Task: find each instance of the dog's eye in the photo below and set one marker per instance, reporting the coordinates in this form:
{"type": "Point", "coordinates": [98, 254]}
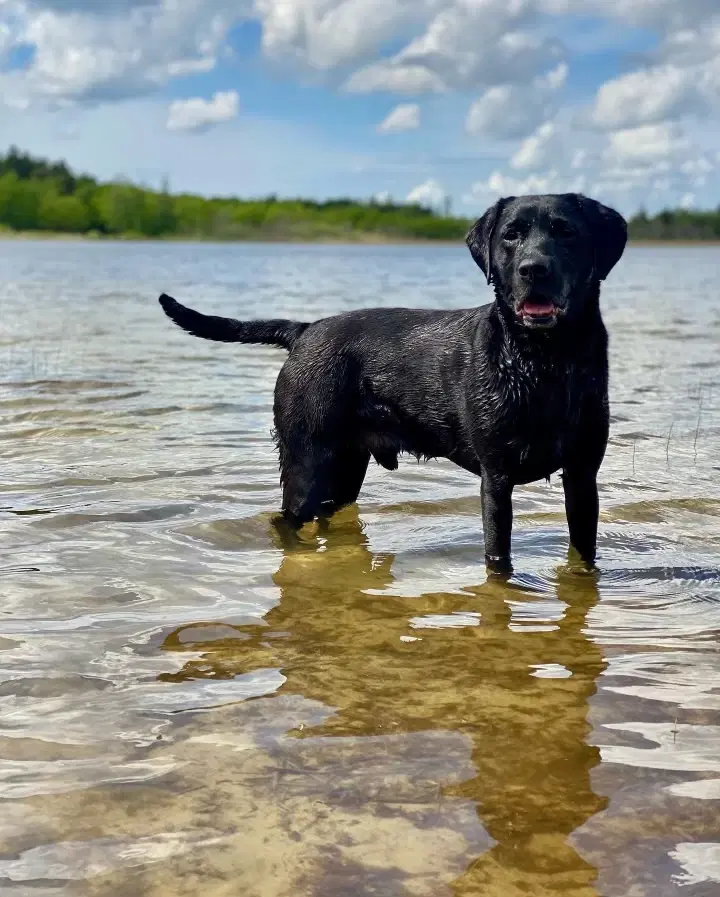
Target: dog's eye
{"type": "Point", "coordinates": [562, 229]}
{"type": "Point", "coordinates": [511, 234]}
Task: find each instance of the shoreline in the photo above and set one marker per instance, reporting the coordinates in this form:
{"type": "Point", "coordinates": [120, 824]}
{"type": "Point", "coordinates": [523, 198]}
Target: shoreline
{"type": "Point", "coordinates": [359, 238]}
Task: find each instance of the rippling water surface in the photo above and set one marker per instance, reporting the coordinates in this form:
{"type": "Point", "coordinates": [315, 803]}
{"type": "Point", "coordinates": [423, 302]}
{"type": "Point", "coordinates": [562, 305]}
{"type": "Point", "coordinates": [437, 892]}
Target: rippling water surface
{"type": "Point", "coordinates": [188, 707]}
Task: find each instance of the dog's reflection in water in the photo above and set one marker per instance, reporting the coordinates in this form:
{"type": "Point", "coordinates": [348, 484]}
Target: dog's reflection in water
{"type": "Point", "coordinates": [517, 693]}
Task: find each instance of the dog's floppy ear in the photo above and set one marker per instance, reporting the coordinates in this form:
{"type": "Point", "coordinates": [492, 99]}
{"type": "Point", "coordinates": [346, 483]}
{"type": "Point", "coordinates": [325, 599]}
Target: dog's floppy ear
{"type": "Point", "coordinates": [479, 238]}
{"type": "Point", "coordinates": [609, 232]}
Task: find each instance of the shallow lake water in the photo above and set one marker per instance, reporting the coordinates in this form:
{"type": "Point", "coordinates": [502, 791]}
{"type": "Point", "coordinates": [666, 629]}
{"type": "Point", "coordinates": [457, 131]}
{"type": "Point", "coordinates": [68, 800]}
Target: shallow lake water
{"type": "Point", "coordinates": [190, 707]}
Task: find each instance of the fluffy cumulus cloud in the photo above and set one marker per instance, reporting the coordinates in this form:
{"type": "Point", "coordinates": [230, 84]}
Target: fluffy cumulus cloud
{"type": "Point", "coordinates": [92, 6]}
{"type": "Point", "coordinates": [652, 164]}
{"type": "Point", "coordinates": [658, 94]}
{"type": "Point", "coordinates": [504, 69]}
{"type": "Point", "coordinates": [538, 150]}
{"type": "Point", "coordinates": [507, 111]}
{"type": "Point", "coordinates": [405, 117]}
{"type": "Point", "coordinates": [325, 34]}
{"type": "Point", "coordinates": [429, 193]}
{"type": "Point", "coordinates": [646, 145]}
{"type": "Point", "coordinates": [645, 136]}
{"type": "Point", "coordinates": [112, 50]}
{"type": "Point", "coordinates": [197, 114]}
{"type": "Point", "coordinates": [485, 192]}
{"type": "Point", "coordinates": [464, 44]}
{"type": "Point", "coordinates": [406, 79]}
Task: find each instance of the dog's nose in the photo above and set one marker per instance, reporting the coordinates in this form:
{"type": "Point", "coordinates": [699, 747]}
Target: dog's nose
{"type": "Point", "coordinates": [534, 269]}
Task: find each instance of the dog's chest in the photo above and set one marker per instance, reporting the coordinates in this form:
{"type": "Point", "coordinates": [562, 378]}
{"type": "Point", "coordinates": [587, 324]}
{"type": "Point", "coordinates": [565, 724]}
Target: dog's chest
{"type": "Point", "coordinates": [537, 418]}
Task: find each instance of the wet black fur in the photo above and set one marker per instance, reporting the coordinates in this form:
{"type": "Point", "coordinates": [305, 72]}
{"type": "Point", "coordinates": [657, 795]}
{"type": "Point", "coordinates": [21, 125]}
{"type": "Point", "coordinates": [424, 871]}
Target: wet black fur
{"type": "Point", "coordinates": [507, 396]}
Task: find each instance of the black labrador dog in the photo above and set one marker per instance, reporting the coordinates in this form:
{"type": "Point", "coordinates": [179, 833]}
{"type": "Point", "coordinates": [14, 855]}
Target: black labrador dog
{"type": "Point", "coordinates": [512, 391]}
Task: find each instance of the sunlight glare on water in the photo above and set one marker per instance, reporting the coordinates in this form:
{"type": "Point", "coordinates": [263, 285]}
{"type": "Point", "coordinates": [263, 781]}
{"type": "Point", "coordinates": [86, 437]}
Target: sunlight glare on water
{"type": "Point", "coordinates": [188, 706]}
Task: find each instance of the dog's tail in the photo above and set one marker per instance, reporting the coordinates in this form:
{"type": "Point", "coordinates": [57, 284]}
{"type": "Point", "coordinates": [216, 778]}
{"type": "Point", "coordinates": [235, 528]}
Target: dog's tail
{"type": "Point", "coordinates": [227, 330]}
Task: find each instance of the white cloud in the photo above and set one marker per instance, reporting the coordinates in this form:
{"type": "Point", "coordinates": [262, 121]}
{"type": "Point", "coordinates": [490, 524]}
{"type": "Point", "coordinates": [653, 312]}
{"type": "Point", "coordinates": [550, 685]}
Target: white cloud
{"type": "Point", "coordinates": [94, 48]}
{"type": "Point", "coordinates": [499, 185]}
{"type": "Point", "coordinates": [460, 41]}
{"type": "Point", "coordinates": [428, 194]}
{"type": "Point", "coordinates": [650, 96]}
{"type": "Point", "coordinates": [682, 78]}
{"type": "Point", "coordinates": [127, 51]}
{"type": "Point", "coordinates": [405, 117]}
{"type": "Point", "coordinates": [506, 111]}
{"type": "Point", "coordinates": [324, 34]}
{"type": "Point", "coordinates": [579, 159]}
{"type": "Point", "coordinates": [697, 170]}
{"type": "Point", "coordinates": [691, 46]}
{"type": "Point", "coordinates": [403, 79]}
{"type": "Point", "coordinates": [481, 43]}
{"type": "Point", "coordinates": [663, 14]}
{"type": "Point", "coordinates": [537, 150]}
{"type": "Point", "coordinates": [555, 78]}
{"type": "Point", "coordinates": [465, 44]}
{"type": "Point", "coordinates": [91, 6]}
{"type": "Point", "coordinates": [197, 114]}
{"type": "Point", "coordinates": [653, 165]}
{"type": "Point", "coordinates": [647, 144]}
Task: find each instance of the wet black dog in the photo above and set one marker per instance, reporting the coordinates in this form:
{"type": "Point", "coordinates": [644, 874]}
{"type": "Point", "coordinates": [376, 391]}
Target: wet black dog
{"type": "Point", "coordinates": [512, 391]}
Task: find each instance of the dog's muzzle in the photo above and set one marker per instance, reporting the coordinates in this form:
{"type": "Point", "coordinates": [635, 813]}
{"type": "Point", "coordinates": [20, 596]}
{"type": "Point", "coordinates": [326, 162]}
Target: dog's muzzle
{"type": "Point", "coordinates": [537, 312]}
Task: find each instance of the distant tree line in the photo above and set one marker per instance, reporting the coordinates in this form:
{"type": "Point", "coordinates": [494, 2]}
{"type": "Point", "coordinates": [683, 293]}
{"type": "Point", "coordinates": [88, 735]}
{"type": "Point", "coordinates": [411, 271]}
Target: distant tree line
{"type": "Point", "coordinates": [676, 224]}
{"type": "Point", "coordinates": [37, 195]}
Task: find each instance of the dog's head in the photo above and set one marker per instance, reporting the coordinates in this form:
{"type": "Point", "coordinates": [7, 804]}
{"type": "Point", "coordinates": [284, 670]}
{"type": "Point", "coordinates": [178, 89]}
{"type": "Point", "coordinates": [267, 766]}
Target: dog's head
{"type": "Point", "coordinates": [546, 255]}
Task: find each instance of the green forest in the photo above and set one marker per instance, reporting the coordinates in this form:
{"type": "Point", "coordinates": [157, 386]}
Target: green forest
{"type": "Point", "coordinates": [37, 196]}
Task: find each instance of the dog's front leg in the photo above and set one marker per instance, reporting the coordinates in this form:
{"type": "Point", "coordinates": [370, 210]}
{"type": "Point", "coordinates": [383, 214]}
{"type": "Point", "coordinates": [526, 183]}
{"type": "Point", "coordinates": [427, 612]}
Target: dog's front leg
{"type": "Point", "coordinates": [582, 509]}
{"type": "Point", "coordinates": [496, 496]}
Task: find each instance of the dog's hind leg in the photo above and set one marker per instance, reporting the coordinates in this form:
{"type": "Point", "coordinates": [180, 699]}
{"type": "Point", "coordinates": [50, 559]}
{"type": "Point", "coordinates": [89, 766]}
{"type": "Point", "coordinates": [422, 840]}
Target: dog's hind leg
{"type": "Point", "coordinates": [320, 481]}
{"type": "Point", "coordinates": [350, 465]}
{"type": "Point", "coordinates": [305, 476]}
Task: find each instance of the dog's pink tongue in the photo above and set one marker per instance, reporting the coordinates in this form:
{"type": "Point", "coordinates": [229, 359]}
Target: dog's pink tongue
{"type": "Point", "coordinates": [538, 308]}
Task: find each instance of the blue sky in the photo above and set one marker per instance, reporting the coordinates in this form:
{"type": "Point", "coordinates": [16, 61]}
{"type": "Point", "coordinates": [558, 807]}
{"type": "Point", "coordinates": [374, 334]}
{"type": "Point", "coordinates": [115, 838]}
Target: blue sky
{"type": "Point", "coordinates": [415, 99]}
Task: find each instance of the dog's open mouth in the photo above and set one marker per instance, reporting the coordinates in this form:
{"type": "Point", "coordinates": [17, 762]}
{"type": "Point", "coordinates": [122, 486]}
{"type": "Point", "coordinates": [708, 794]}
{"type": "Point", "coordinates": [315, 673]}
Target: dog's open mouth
{"type": "Point", "coordinates": [538, 312]}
